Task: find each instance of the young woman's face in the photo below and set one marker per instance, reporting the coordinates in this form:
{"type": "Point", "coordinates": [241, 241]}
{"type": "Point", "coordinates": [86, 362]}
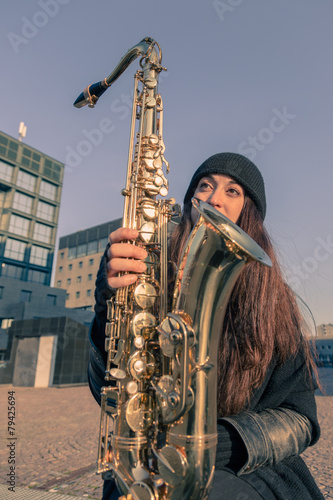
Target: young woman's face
{"type": "Point", "coordinates": [221, 192]}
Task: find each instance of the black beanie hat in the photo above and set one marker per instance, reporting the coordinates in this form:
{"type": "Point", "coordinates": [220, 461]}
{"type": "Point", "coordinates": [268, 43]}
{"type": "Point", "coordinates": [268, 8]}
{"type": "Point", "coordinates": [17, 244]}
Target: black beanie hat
{"type": "Point", "coordinates": [239, 168]}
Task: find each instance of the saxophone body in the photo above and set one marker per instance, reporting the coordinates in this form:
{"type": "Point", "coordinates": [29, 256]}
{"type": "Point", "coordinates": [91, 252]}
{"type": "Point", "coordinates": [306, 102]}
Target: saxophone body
{"type": "Point", "coordinates": [158, 429]}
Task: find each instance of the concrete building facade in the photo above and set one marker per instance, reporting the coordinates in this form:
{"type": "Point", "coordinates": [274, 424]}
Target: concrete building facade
{"type": "Point", "coordinates": [46, 352]}
{"type": "Point", "coordinates": [324, 344]}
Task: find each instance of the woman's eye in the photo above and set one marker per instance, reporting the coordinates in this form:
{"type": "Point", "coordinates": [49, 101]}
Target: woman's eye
{"type": "Point", "coordinates": [204, 185]}
{"type": "Point", "coordinates": [234, 191]}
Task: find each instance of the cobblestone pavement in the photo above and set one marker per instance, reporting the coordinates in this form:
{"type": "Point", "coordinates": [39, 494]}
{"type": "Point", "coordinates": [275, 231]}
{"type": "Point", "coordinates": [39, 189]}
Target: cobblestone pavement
{"type": "Point", "coordinates": [56, 445]}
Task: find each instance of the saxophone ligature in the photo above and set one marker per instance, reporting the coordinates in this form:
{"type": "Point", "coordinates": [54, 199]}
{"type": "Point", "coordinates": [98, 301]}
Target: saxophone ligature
{"type": "Point", "coordinates": [158, 431]}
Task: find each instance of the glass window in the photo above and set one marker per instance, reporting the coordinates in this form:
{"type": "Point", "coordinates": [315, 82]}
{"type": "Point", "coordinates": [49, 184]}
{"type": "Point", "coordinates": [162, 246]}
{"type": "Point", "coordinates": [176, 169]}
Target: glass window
{"type": "Point", "coordinates": [70, 267]}
{"type": "Point", "coordinates": [18, 225]}
{"type": "Point", "coordinates": [102, 244]}
{"type": "Point", "coordinates": [78, 279]}
{"type": "Point", "coordinates": [60, 269]}
{"type": "Point", "coordinates": [6, 171]}
{"type": "Point", "coordinates": [72, 253]}
{"type": "Point", "coordinates": [37, 276]}
{"type": "Point", "coordinates": [6, 323]}
{"type": "Point", "coordinates": [52, 169]}
{"type": "Point", "coordinates": [12, 271]}
{"type": "Point", "coordinates": [62, 254]}
{"type": "Point", "coordinates": [2, 197]}
{"type": "Point", "coordinates": [26, 181]}
{"type": "Point", "coordinates": [45, 211]}
{"type": "Point", "coordinates": [30, 159]}
{"type": "Point", "coordinates": [22, 202]}
{"type": "Point", "coordinates": [15, 249]}
{"type": "Point", "coordinates": [48, 190]}
{"type": "Point", "coordinates": [38, 256]}
{"type": "Point", "coordinates": [89, 277]}
{"type": "Point", "coordinates": [88, 293]}
{"type": "Point", "coordinates": [69, 281]}
{"type": "Point", "coordinates": [77, 295]}
{"type": "Point", "coordinates": [67, 296]}
{"type": "Point", "coordinates": [91, 262]}
{"type": "Point", "coordinates": [25, 296]}
{"type": "Point", "coordinates": [82, 250]}
{"type": "Point", "coordinates": [51, 300]}
{"type": "Point", "coordinates": [92, 247]}
{"type": "Point", "coordinates": [42, 233]}
{"type": "Point", "coordinates": [1, 292]}
{"type": "Point", "coordinates": [59, 283]}
{"type": "Point", "coordinates": [80, 263]}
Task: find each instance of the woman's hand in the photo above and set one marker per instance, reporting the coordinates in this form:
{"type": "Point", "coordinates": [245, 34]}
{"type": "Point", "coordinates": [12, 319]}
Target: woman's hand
{"type": "Point", "coordinates": [124, 257]}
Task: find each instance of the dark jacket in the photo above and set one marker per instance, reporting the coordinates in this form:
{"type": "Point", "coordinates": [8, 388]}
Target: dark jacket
{"type": "Point", "coordinates": [261, 445]}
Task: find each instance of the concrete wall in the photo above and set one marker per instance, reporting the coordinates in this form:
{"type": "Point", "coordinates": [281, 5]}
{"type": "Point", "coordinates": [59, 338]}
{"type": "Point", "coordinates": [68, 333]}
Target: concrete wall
{"type": "Point", "coordinates": [26, 362]}
{"type": "Point", "coordinates": [46, 361]}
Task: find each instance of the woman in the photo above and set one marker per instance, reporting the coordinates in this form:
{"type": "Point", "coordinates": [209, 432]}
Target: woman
{"type": "Point", "coordinates": [266, 407]}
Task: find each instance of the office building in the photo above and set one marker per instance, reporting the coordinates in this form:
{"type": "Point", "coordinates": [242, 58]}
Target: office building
{"type": "Point", "coordinates": [30, 191]}
{"type": "Point", "coordinates": [78, 260]}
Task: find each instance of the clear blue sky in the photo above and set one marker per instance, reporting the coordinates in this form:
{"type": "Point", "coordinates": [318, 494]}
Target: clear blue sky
{"type": "Point", "coordinates": [251, 76]}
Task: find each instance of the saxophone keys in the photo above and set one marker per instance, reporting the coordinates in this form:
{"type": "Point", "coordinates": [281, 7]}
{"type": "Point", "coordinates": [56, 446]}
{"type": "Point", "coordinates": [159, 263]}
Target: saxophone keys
{"type": "Point", "coordinates": [172, 464]}
{"type": "Point", "coordinates": [153, 140]}
{"type": "Point", "coordinates": [117, 373]}
{"type": "Point", "coordinates": [143, 326]}
{"type": "Point", "coordinates": [149, 164]}
{"type": "Point", "coordinates": [149, 210]}
{"type": "Point", "coordinates": [158, 162]}
{"type": "Point", "coordinates": [150, 102]}
{"type": "Point", "coordinates": [164, 191]}
{"type": "Point", "coordinates": [140, 412]}
{"type": "Point", "coordinates": [170, 337]}
{"type": "Point", "coordinates": [141, 365]}
{"type": "Point", "coordinates": [143, 491]}
{"type": "Point", "coordinates": [145, 295]}
{"type": "Point", "coordinates": [147, 232]}
{"type": "Point", "coordinates": [150, 82]}
{"type": "Point", "coordinates": [139, 342]}
{"type": "Point", "coordinates": [158, 180]}
{"type": "Point", "coordinates": [151, 188]}
{"type": "Point", "coordinates": [132, 388]}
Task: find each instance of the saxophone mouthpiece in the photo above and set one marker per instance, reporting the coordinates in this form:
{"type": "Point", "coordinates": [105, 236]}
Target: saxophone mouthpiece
{"type": "Point", "coordinates": [91, 94]}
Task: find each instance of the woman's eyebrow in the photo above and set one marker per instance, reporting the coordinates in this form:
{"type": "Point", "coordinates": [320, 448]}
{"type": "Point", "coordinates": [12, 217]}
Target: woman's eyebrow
{"type": "Point", "coordinates": [207, 177]}
{"type": "Point", "coordinates": [233, 182]}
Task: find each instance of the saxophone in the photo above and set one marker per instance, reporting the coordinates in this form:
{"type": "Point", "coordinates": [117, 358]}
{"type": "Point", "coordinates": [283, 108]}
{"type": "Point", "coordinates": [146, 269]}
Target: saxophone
{"type": "Point", "coordinates": [158, 431]}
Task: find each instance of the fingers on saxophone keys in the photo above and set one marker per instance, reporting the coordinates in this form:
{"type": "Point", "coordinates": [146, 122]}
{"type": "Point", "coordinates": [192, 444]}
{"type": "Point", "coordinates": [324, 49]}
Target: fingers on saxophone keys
{"type": "Point", "coordinates": [123, 233]}
{"type": "Point", "coordinates": [126, 250]}
{"type": "Point", "coordinates": [121, 281]}
{"type": "Point", "coordinates": [116, 265]}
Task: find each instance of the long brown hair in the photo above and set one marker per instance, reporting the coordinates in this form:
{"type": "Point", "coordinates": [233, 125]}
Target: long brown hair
{"type": "Point", "coordinates": [262, 321]}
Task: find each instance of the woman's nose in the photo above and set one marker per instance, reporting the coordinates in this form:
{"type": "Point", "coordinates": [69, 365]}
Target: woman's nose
{"type": "Point", "coordinates": [216, 199]}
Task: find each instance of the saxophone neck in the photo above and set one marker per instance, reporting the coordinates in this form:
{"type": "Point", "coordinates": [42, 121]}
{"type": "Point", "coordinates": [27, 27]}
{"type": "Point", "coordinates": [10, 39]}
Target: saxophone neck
{"type": "Point", "coordinates": [150, 55]}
